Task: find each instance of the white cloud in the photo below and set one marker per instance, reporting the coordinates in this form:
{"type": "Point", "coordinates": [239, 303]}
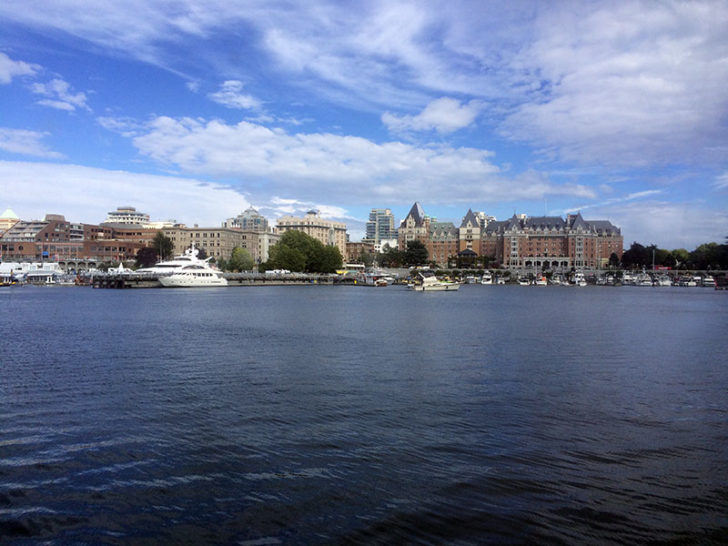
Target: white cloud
{"type": "Point", "coordinates": [721, 181]}
{"type": "Point", "coordinates": [85, 194]}
{"type": "Point", "coordinates": [628, 83]}
{"type": "Point", "coordinates": [59, 95]}
{"type": "Point", "coordinates": [10, 69]}
{"type": "Point", "coordinates": [623, 199]}
{"type": "Point", "coordinates": [668, 225]}
{"type": "Point", "coordinates": [345, 168]}
{"type": "Point", "coordinates": [231, 96]}
{"type": "Point", "coordinates": [125, 126]}
{"type": "Point", "coordinates": [443, 115]}
{"type": "Point", "coordinates": [21, 141]}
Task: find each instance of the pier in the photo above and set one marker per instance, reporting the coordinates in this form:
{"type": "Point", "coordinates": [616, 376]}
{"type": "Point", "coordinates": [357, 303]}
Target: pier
{"type": "Point", "coordinates": [146, 280]}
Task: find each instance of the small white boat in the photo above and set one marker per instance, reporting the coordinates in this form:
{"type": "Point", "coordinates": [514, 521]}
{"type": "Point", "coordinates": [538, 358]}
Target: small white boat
{"type": "Point", "coordinates": [428, 282]}
{"type": "Point", "coordinates": [579, 279]}
{"type": "Point", "coordinates": [541, 281]}
{"type": "Point", "coordinates": [708, 280]}
{"type": "Point", "coordinates": [487, 278]}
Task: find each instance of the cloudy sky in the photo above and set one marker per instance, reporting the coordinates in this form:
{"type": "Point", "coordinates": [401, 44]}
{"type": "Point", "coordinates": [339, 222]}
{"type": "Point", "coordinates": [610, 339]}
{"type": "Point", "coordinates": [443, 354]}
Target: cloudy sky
{"type": "Point", "coordinates": [195, 110]}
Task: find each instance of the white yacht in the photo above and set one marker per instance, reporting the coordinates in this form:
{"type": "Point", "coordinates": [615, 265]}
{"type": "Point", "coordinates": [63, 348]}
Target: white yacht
{"type": "Point", "coordinates": [708, 280]}
{"type": "Point", "coordinates": [186, 271]}
{"type": "Point", "coordinates": [487, 278]}
{"type": "Point", "coordinates": [427, 281]}
{"type": "Point", "coordinates": [194, 276]}
{"type": "Point", "coordinates": [579, 279]}
{"type": "Point", "coordinates": [175, 264]}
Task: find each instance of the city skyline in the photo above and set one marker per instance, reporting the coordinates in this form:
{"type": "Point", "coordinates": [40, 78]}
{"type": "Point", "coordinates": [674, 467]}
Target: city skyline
{"type": "Point", "coordinates": [197, 111]}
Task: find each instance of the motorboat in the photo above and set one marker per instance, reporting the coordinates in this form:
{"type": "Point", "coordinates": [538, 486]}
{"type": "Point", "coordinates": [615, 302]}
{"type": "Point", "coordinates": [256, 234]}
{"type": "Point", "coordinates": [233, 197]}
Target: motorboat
{"type": "Point", "coordinates": [579, 279]}
{"type": "Point", "coordinates": [541, 281]}
{"type": "Point", "coordinates": [708, 280]}
{"type": "Point", "coordinates": [186, 271]}
{"type": "Point", "coordinates": [194, 276]}
{"type": "Point", "coordinates": [427, 281]}
{"type": "Point", "coordinates": [487, 278]}
{"type": "Point", "coordinates": [176, 264]}
{"type": "Point", "coordinates": [664, 281]}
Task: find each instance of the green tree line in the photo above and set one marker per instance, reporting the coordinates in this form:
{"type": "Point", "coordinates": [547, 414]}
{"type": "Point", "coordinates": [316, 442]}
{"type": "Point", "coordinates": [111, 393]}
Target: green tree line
{"type": "Point", "coordinates": [705, 256]}
{"type": "Point", "coordinates": [296, 251]}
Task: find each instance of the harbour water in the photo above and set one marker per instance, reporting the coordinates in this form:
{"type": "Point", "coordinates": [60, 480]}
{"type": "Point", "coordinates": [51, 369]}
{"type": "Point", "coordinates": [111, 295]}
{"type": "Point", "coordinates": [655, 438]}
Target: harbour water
{"type": "Point", "coordinates": [318, 415]}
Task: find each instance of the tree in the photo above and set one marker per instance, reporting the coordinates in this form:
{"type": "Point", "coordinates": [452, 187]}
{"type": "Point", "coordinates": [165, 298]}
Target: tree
{"type": "Point", "coordinates": [636, 257]}
{"type": "Point", "coordinates": [366, 258]}
{"type": "Point", "coordinates": [240, 260]}
{"type": "Point", "coordinates": [163, 245]}
{"type": "Point", "coordinates": [416, 253]}
{"type": "Point", "coordinates": [201, 253]}
{"type": "Point", "coordinates": [331, 260]}
{"type": "Point", "coordinates": [681, 256]}
{"type": "Point", "coordinates": [705, 256]}
{"type": "Point", "coordinates": [297, 251]}
{"type": "Point", "coordinates": [613, 260]}
{"type": "Point", "coordinates": [146, 257]}
{"type": "Point", "coordinates": [285, 257]}
{"type": "Point", "coordinates": [390, 257]}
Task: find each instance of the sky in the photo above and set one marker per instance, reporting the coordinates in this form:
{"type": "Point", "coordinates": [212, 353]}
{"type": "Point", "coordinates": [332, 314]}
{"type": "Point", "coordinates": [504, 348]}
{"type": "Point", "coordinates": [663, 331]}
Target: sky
{"type": "Point", "coordinates": [195, 110]}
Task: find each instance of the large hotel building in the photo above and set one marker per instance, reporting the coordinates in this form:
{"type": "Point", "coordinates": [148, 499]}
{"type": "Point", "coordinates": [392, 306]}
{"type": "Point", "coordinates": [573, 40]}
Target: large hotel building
{"type": "Point", "coordinates": [520, 242]}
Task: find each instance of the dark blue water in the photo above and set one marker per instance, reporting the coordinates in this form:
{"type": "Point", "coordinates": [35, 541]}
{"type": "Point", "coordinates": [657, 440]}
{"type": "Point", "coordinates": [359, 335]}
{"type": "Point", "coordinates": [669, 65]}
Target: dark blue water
{"type": "Point", "coordinates": [303, 415]}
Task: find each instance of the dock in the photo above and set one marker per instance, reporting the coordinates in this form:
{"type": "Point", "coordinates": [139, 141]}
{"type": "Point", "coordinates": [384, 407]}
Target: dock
{"type": "Point", "coordinates": [146, 280]}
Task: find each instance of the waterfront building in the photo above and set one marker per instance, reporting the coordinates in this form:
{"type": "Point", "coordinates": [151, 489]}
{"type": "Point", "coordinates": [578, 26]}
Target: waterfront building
{"type": "Point", "coordinates": [219, 242]}
{"type": "Point", "coordinates": [8, 220]}
{"type": "Point", "coordinates": [469, 233]}
{"type": "Point", "coordinates": [551, 242]}
{"type": "Point", "coordinates": [354, 251]}
{"type": "Point", "coordinates": [32, 240]}
{"type": "Point", "coordinates": [442, 242]}
{"type": "Point", "coordinates": [248, 220]}
{"type": "Point", "coordinates": [328, 232]}
{"type": "Point", "coordinates": [380, 226]}
{"type": "Point", "coordinates": [414, 227]}
{"type": "Point", "coordinates": [55, 239]}
{"type": "Point", "coordinates": [126, 216]}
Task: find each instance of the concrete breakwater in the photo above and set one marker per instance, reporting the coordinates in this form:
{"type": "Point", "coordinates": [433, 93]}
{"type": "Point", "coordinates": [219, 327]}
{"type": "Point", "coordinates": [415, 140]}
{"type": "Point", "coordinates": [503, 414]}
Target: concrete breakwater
{"type": "Point", "coordinates": [146, 280]}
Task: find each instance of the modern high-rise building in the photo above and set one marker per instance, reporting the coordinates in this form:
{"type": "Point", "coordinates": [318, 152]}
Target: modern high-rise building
{"type": "Point", "coordinates": [380, 226]}
{"type": "Point", "coordinates": [127, 216]}
{"type": "Point", "coordinates": [248, 220]}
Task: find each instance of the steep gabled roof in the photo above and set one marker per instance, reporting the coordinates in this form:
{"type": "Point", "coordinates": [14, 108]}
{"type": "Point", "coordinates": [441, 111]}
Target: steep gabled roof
{"type": "Point", "coordinates": [579, 222]}
{"type": "Point", "coordinates": [513, 223]}
{"type": "Point", "coordinates": [604, 226]}
{"type": "Point", "coordinates": [545, 222]}
{"type": "Point", "coordinates": [470, 217]}
{"type": "Point", "coordinates": [496, 226]}
{"type": "Point", "coordinates": [417, 214]}
{"type": "Point", "coordinates": [443, 231]}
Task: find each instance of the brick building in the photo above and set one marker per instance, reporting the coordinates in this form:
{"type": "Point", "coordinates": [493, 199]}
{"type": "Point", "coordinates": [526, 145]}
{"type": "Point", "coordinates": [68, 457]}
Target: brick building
{"type": "Point", "coordinates": [551, 242]}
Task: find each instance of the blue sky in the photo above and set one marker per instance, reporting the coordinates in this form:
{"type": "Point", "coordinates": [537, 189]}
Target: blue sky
{"type": "Point", "coordinates": [195, 110]}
